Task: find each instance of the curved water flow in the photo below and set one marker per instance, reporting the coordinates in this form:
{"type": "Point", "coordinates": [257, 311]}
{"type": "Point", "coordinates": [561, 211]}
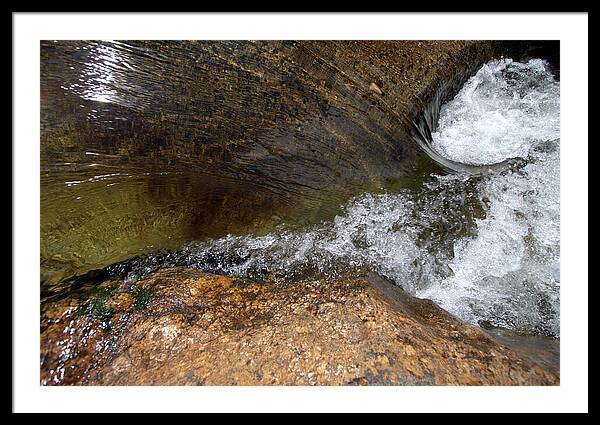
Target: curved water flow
{"type": "Point", "coordinates": [482, 241]}
{"type": "Point", "coordinates": [500, 113]}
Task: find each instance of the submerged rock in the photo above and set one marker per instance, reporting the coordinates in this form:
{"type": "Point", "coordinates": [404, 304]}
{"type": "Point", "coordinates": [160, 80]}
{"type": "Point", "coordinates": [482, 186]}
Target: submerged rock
{"type": "Point", "coordinates": [181, 326]}
{"type": "Point", "coordinates": [148, 145]}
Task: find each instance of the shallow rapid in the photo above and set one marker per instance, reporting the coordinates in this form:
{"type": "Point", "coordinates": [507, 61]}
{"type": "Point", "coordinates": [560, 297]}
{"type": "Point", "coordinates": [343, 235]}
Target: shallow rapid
{"type": "Point", "coordinates": [485, 246]}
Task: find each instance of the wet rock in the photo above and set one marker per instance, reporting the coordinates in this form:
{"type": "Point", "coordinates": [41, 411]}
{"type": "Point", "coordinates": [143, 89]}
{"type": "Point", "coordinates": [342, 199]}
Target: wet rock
{"type": "Point", "coordinates": [184, 327]}
{"type": "Point", "coordinates": [374, 87]}
{"type": "Point", "coordinates": [148, 145]}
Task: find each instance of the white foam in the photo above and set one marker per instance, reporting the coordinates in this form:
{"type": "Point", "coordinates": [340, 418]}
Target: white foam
{"type": "Point", "coordinates": [509, 273]}
{"type": "Point", "coordinates": [502, 112]}
{"type": "Point", "coordinates": [483, 247]}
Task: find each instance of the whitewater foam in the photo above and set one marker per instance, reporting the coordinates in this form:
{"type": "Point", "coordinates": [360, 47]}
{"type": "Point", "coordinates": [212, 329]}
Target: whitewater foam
{"type": "Point", "coordinates": [502, 112]}
{"type": "Point", "coordinates": [485, 247]}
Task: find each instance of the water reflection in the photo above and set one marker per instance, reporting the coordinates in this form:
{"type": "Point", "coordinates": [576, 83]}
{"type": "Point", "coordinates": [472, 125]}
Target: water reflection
{"type": "Point", "coordinates": [99, 76]}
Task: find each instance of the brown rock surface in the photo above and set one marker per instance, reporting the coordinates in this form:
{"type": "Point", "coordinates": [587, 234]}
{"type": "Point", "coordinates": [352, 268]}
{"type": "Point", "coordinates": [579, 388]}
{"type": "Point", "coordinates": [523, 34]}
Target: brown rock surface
{"type": "Point", "coordinates": [184, 327]}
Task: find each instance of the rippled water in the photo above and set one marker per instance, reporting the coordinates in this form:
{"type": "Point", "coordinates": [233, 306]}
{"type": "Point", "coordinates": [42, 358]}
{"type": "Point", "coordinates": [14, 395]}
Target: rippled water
{"type": "Point", "coordinates": [149, 145]}
{"type": "Point", "coordinates": [484, 246]}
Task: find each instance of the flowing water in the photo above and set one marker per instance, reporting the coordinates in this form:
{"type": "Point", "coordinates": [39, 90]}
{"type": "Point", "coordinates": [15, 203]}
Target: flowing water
{"type": "Point", "coordinates": [482, 240]}
{"type": "Point", "coordinates": [149, 145]}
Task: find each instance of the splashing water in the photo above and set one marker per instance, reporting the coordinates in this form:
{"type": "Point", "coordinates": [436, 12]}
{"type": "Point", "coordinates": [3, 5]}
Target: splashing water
{"type": "Point", "coordinates": [502, 112]}
{"type": "Point", "coordinates": [484, 247]}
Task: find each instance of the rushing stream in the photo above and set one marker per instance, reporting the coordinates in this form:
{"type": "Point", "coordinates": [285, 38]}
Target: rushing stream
{"type": "Point", "coordinates": [484, 245]}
